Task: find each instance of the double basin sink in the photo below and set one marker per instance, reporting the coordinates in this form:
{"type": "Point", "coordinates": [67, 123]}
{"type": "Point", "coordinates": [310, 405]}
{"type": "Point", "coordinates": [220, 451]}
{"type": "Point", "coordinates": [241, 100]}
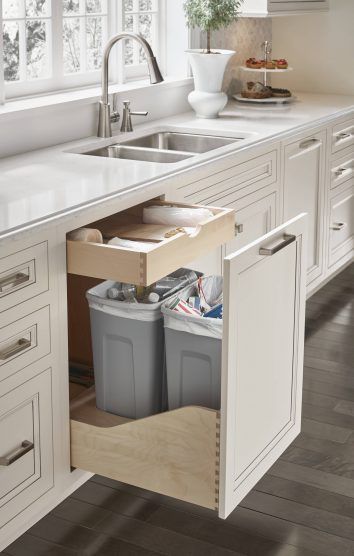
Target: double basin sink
{"type": "Point", "coordinates": [163, 146]}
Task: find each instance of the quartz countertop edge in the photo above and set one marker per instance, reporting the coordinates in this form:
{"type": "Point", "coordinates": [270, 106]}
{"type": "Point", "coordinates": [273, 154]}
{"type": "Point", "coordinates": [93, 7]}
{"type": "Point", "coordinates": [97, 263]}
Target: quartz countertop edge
{"type": "Point", "coordinates": [40, 187]}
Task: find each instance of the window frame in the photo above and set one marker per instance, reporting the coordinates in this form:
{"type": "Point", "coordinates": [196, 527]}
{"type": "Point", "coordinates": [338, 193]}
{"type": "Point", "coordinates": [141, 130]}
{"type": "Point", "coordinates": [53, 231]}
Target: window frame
{"type": "Point", "coordinates": [119, 73]}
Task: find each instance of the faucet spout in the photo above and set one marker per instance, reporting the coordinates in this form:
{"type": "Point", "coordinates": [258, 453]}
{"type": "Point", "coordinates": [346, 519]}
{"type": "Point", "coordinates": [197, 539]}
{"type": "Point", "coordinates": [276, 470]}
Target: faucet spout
{"type": "Point", "coordinates": [104, 124]}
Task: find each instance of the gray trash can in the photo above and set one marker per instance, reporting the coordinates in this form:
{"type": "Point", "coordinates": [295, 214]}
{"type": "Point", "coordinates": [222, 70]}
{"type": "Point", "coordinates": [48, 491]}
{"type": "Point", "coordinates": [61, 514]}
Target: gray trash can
{"type": "Point", "coordinates": [128, 354]}
{"type": "Point", "coordinates": [193, 352]}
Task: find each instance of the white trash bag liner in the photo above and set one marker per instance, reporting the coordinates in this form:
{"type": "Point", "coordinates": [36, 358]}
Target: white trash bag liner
{"type": "Point", "coordinates": [201, 326]}
{"type": "Point", "coordinates": [176, 216]}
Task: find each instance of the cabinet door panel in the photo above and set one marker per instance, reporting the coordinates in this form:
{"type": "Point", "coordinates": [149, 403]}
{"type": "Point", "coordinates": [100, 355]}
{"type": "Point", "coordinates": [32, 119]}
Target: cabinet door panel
{"type": "Point", "coordinates": [304, 191]}
{"type": "Point", "coordinates": [262, 362]}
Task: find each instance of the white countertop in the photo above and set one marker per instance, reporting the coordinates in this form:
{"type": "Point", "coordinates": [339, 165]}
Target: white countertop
{"type": "Point", "coordinates": [42, 184]}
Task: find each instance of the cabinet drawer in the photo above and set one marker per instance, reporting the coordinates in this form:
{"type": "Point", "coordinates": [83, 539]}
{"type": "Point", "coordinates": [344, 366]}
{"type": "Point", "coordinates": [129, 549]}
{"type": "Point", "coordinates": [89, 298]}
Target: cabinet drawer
{"type": "Point", "coordinates": [342, 135]}
{"type": "Point", "coordinates": [144, 268]}
{"type": "Point", "coordinates": [26, 460]}
{"type": "Point", "coordinates": [342, 170]}
{"type": "Point", "coordinates": [341, 241]}
{"type": "Point", "coordinates": [23, 275]}
{"type": "Point", "coordinates": [207, 457]}
{"type": "Point", "coordinates": [24, 341]}
{"type": "Point", "coordinates": [244, 179]}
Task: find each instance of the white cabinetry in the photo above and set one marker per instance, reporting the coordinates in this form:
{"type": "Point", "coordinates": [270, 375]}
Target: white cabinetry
{"type": "Point", "coordinates": [304, 191]}
{"type": "Point", "coordinates": [257, 8]}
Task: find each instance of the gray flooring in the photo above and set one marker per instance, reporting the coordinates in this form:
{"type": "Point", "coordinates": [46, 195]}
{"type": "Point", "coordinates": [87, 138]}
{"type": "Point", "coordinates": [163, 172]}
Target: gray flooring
{"type": "Point", "coordinates": [304, 506]}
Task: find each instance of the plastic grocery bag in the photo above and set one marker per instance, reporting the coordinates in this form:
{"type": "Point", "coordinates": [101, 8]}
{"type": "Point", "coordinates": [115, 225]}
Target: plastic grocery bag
{"type": "Point", "coordinates": [175, 216]}
{"type": "Point", "coordinates": [201, 326]}
{"type": "Point", "coordinates": [144, 246]}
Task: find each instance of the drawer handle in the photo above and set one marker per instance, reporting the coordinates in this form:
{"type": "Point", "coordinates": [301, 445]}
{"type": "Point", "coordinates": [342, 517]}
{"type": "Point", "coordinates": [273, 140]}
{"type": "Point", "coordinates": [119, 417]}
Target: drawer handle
{"type": "Point", "coordinates": [26, 447]}
{"type": "Point", "coordinates": [338, 226]}
{"type": "Point", "coordinates": [287, 240]}
{"type": "Point", "coordinates": [309, 143]}
{"type": "Point", "coordinates": [238, 229]}
{"type": "Point", "coordinates": [21, 345]}
{"type": "Point", "coordinates": [343, 135]}
{"type": "Point", "coordinates": [13, 280]}
{"type": "Point", "coordinates": [340, 171]}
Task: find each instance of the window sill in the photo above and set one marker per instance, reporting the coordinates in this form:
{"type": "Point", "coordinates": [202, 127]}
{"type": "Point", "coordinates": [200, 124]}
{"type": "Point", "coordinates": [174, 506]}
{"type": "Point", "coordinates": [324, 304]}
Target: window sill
{"type": "Point", "coordinates": [19, 107]}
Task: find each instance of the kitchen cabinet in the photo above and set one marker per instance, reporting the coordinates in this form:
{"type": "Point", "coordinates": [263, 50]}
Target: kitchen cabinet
{"type": "Point", "coordinates": [258, 8]}
{"type": "Point", "coordinates": [304, 167]}
{"type": "Point", "coordinates": [341, 225]}
{"type": "Point", "coordinates": [183, 453]}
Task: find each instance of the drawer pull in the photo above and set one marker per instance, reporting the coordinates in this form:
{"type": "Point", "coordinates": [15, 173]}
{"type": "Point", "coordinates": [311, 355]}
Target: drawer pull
{"type": "Point", "coordinates": [338, 226]}
{"type": "Point", "coordinates": [26, 447]}
{"type": "Point", "coordinates": [238, 229]}
{"type": "Point", "coordinates": [13, 280]}
{"type": "Point", "coordinates": [340, 171]}
{"type": "Point", "coordinates": [287, 240]}
{"type": "Point", "coordinates": [21, 345]}
{"type": "Point", "coordinates": [309, 143]}
{"type": "Point", "coordinates": [343, 135]}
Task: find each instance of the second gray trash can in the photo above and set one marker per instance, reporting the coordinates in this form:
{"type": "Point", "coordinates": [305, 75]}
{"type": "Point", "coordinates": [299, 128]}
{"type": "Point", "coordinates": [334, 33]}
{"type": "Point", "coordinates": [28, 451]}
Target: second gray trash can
{"type": "Point", "coordinates": [193, 352]}
{"type": "Point", "coordinates": [128, 354]}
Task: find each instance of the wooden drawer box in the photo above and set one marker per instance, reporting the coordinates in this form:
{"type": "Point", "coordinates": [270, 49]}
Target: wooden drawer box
{"type": "Point", "coordinates": [26, 458]}
{"type": "Point", "coordinates": [23, 275]}
{"type": "Point", "coordinates": [141, 268]}
{"type": "Point", "coordinates": [23, 341]}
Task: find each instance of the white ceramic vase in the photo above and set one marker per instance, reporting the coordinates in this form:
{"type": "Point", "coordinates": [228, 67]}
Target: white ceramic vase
{"type": "Point", "coordinates": [207, 99]}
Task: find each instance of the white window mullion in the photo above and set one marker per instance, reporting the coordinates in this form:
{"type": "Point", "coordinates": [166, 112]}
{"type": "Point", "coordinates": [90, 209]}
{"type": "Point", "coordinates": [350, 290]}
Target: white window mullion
{"type": "Point", "coordinates": [2, 80]}
{"type": "Point", "coordinates": [57, 41]}
{"type": "Point", "coordinates": [22, 42]}
{"type": "Point", "coordinates": [83, 42]}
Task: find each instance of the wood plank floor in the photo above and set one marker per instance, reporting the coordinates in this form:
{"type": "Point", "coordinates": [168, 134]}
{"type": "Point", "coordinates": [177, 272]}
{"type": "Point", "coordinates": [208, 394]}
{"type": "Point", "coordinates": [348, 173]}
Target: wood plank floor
{"type": "Point", "coordinates": [304, 506]}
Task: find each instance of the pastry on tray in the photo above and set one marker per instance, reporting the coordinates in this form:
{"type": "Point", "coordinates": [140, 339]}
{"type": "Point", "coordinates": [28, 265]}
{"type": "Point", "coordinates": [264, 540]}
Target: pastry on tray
{"type": "Point", "coordinates": [280, 93]}
{"type": "Point", "coordinates": [257, 91]}
{"type": "Point", "coordinates": [282, 64]}
{"type": "Point", "coordinates": [253, 63]}
{"type": "Point", "coordinates": [270, 65]}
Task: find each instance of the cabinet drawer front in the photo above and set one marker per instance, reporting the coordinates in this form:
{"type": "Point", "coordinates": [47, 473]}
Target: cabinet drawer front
{"type": "Point", "coordinates": [141, 268]}
{"type": "Point", "coordinates": [342, 136]}
{"type": "Point", "coordinates": [24, 341]}
{"type": "Point", "coordinates": [26, 460]}
{"type": "Point", "coordinates": [23, 275]}
{"type": "Point", "coordinates": [297, 5]}
{"type": "Point", "coordinates": [342, 170]}
{"type": "Point", "coordinates": [341, 242]}
{"type": "Point", "coordinates": [243, 178]}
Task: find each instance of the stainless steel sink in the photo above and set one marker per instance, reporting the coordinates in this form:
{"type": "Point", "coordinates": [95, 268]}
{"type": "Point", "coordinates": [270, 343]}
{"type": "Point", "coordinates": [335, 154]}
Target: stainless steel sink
{"type": "Point", "coordinates": [183, 142]}
{"type": "Point", "coordinates": [138, 153]}
{"type": "Point", "coordinates": [163, 146]}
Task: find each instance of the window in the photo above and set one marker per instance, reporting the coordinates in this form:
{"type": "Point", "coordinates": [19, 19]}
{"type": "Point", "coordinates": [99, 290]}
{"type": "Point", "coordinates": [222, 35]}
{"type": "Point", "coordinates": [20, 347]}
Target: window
{"type": "Point", "coordinates": [50, 45]}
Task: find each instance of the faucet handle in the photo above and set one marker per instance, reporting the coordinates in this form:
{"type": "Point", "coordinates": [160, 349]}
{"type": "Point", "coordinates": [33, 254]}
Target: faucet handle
{"type": "Point", "coordinates": [115, 116]}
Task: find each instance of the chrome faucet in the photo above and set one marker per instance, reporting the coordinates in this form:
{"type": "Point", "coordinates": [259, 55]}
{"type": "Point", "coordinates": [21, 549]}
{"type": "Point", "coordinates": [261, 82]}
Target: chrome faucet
{"type": "Point", "coordinates": [105, 117]}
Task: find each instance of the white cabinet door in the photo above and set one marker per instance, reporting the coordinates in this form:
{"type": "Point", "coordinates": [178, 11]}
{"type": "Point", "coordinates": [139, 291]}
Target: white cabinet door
{"type": "Point", "coordinates": [262, 357]}
{"type": "Point", "coordinates": [304, 191]}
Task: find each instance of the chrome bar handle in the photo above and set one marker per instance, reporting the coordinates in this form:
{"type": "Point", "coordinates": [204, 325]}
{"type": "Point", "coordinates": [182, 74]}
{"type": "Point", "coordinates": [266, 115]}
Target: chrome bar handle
{"type": "Point", "coordinates": [340, 171]}
{"type": "Point", "coordinates": [13, 280]}
{"type": "Point", "coordinates": [343, 135]}
{"type": "Point", "coordinates": [309, 143]}
{"type": "Point", "coordinates": [26, 447]}
{"type": "Point", "coordinates": [287, 240]}
{"type": "Point", "coordinates": [338, 226]}
{"type": "Point", "coordinates": [21, 345]}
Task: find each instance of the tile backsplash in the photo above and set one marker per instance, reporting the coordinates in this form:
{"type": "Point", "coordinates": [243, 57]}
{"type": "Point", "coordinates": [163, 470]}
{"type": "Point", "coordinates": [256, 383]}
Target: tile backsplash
{"type": "Point", "coordinates": [245, 36]}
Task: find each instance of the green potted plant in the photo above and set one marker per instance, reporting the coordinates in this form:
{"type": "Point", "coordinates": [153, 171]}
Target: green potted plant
{"type": "Point", "coordinates": [209, 65]}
